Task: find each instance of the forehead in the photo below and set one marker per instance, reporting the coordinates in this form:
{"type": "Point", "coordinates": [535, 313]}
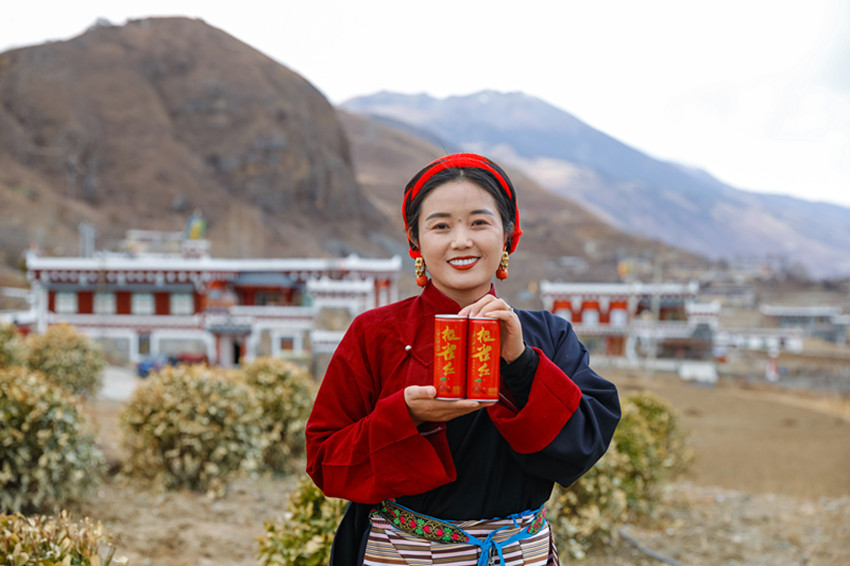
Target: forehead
{"type": "Point", "coordinates": [458, 197]}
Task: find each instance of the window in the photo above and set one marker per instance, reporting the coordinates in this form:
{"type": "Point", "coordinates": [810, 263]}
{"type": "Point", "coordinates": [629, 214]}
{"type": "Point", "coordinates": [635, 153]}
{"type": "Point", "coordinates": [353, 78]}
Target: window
{"type": "Point", "coordinates": [104, 303]}
{"type": "Point", "coordinates": [268, 298]}
{"type": "Point", "coordinates": [619, 317]}
{"type": "Point", "coordinates": [590, 317]}
{"type": "Point", "coordinates": [142, 303]}
{"type": "Point", "coordinates": [144, 344]}
{"type": "Point", "coordinates": [66, 303]}
{"type": "Point", "coordinates": [288, 345]}
{"type": "Point", "coordinates": [182, 303]}
{"type": "Point", "coordinates": [566, 314]}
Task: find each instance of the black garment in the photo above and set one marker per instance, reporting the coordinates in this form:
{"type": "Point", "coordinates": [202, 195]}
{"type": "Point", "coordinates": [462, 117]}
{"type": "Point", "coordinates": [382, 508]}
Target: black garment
{"type": "Point", "coordinates": [493, 480]}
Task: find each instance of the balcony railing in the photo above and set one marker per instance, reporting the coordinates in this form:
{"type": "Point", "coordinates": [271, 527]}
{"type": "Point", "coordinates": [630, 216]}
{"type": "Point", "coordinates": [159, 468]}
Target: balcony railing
{"type": "Point", "coordinates": [124, 320]}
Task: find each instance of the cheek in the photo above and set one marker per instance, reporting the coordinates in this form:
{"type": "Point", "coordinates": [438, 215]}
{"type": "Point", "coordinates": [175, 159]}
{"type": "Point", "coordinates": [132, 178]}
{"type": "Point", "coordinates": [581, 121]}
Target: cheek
{"type": "Point", "coordinates": [428, 245]}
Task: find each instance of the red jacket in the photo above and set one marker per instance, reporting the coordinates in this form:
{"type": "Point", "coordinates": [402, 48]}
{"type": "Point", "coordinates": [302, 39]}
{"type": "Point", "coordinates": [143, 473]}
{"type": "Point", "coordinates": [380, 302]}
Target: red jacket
{"type": "Point", "coordinates": [362, 444]}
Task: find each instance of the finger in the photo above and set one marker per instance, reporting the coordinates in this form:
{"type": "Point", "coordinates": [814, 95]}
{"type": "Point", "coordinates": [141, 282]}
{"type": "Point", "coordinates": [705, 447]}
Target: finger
{"type": "Point", "coordinates": [416, 392]}
{"type": "Point", "coordinates": [475, 308]}
{"type": "Point", "coordinates": [496, 306]}
{"type": "Point", "coordinates": [467, 404]}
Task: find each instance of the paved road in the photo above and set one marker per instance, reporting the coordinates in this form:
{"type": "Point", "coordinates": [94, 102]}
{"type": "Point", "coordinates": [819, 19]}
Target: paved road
{"type": "Point", "coordinates": [118, 383]}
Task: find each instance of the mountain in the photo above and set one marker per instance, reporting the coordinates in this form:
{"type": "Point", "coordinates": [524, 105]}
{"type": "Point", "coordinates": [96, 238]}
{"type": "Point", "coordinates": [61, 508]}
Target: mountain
{"type": "Point", "coordinates": [137, 126]}
{"type": "Point", "coordinates": [635, 192]}
{"type": "Point", "coordinates": [561, 239]}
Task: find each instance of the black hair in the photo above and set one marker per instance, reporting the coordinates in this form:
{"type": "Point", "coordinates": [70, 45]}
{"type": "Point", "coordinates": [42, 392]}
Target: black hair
{"type": "Point", "coordinates": [479, 177]}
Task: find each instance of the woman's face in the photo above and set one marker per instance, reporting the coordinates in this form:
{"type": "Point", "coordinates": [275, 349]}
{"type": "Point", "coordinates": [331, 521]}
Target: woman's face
{"type": "Point", "coordinates": [461, 239]}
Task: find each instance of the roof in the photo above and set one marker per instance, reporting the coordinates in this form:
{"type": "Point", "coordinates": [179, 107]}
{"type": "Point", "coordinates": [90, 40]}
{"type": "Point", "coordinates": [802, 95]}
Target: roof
{"type": "Point", "coordinates": [262, 279]}
{"type": "Point", "coordinates": [817, 310]}
{"type": "Point", "coordinates": [176, 262]}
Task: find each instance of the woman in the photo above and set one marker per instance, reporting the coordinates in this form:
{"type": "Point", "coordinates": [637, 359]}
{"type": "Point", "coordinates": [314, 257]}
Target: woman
{"type": "Point", "coordinates": [455, 481]}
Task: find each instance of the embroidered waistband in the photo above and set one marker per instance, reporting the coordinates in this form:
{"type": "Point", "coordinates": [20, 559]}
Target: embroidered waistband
{"type": "Point", "coordinates": [437, 530]}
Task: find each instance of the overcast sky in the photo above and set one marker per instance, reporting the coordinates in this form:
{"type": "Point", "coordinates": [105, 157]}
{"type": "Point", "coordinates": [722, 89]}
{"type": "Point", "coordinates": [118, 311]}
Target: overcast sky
{"type": "Point", "coordinates": [756, 92]}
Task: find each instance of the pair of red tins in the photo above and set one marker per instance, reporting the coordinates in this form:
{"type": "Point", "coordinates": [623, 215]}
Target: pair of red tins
{"type": "Point", "coordinates": [466, 357]}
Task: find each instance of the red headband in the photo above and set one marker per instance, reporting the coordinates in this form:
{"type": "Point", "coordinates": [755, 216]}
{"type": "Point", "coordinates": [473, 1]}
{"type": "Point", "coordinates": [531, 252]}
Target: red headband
{"type": "Point", "coordinates": [459, 160]}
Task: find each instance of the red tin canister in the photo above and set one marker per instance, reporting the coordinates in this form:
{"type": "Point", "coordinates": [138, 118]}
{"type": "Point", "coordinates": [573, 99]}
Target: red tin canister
{"type": "Point", "coordinates": [450, 336]}
{"type": "Point", "coordinates": [482, 383]}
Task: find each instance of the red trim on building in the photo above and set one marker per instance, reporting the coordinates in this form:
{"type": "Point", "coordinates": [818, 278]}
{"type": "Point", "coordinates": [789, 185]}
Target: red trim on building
{"type": "Point", "coordinates": [85, 302]}
{"type": "Point", "coordinates": [162, 302]}
{"type": "Point", "coordinates": [122, 302]}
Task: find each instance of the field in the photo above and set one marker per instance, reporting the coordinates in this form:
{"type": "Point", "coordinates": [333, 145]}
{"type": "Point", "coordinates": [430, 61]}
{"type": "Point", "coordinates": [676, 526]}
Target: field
{"type": "Point", "coordinates": [770, 484]}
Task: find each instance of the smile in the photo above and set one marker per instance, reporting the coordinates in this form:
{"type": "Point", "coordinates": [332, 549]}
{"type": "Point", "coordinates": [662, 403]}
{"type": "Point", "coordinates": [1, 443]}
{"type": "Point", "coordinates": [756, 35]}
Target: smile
{"type": "Point", "coordinates": [463, 263]}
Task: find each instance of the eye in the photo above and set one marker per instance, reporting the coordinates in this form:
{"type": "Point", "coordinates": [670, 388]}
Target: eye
{"type": "Point", "coordinates": [440, 226]}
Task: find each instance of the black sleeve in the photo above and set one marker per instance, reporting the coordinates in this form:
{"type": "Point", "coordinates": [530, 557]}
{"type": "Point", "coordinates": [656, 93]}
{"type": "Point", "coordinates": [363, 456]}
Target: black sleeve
{"type": "Point", "coordinates": [588, 432]}
{"type": "Point", "coordinates": [519, 375]}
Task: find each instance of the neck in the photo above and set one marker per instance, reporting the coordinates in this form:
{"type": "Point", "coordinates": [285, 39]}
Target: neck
{"type": "Point", "coordinates": [464, 298]}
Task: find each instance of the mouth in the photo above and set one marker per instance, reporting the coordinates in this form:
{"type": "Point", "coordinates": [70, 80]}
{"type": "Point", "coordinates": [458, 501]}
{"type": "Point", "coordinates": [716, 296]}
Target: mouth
{"type": "Point", "coordinates": [463, 263]}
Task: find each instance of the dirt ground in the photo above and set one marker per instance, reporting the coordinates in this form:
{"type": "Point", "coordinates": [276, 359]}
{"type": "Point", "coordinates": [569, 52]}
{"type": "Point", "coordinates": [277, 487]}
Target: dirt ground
{"type": "Point", "coordinates": [770, 484]}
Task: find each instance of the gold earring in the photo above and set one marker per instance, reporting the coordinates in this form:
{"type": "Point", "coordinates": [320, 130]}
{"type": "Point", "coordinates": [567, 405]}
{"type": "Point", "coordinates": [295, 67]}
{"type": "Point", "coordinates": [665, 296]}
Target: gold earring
{"type": "Point", "coordinates": [421, 278]}
{"type": "Point", "coordinates": [502, 272]}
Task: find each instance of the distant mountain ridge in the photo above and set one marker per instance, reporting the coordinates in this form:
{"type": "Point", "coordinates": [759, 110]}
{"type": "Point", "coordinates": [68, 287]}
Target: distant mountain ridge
{"type": "Point", "coordinates": [635, 192]}
{"type": "Point", "coordinates": [136, 126]}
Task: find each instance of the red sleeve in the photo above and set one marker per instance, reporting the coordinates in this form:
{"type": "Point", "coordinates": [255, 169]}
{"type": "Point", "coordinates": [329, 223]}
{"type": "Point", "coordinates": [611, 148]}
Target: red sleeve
{"type": "Point", "coordinates": [362, 446]}
{"type": "Point", "coordinates": [553, 400]}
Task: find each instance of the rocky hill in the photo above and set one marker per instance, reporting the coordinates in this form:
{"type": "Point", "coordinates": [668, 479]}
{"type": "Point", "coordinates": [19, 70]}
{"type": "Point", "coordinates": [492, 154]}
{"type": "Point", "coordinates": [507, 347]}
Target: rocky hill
{"type": "Point", "coordinates": [139, 125]}
{"type": "Point", "coordinates": [623, 186]}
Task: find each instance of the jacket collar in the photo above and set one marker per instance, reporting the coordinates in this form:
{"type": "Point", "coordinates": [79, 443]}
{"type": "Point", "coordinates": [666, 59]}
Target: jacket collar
{"type": "Point", "coordinates": [442, 304]}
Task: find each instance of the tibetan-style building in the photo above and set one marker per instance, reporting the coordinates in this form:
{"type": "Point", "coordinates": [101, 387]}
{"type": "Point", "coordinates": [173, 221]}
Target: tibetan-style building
{"type": "Point", "coordinates": [630, 319]}
{"type": "Point", "coordinates": [223, 310]}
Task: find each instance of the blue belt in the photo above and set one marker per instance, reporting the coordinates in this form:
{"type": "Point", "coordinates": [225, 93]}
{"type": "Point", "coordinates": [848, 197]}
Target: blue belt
{"type": "Point", "coordinates": [437, 530]}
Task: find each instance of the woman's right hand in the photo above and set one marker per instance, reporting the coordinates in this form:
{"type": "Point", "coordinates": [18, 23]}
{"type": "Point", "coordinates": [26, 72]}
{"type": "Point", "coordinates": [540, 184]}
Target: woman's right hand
{"type": "Point", "coordinates": [425, 407]}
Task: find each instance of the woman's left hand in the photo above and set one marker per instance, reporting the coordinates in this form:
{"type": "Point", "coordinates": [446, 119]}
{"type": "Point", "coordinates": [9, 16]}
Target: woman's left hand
{"type": "Point", "coordinates": [494, 307]}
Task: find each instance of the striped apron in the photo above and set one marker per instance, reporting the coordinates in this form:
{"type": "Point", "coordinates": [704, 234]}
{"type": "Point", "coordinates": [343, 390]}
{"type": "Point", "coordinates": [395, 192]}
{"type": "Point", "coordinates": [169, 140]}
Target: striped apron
{"type": "Point", "coordinates": [401, 536]}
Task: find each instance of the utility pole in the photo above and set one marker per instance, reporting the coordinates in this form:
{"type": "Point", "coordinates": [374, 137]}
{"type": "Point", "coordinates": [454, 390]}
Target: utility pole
{"type": "Point", "coordinates": [656, 311]}
{"type": "Point", "coordinates": [87, 234]}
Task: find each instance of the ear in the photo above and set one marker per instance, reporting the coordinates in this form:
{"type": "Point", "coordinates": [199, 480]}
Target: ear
{"type": "Point", "coordinates": [414, 244]}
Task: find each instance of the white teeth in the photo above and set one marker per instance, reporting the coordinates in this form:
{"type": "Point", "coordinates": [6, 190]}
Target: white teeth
{"type": "Point", "coordinates": [469, 261]}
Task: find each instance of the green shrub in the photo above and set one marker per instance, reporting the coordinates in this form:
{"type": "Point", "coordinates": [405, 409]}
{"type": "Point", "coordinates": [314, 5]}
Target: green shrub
{"type": "Point", "coordinates": [68, 358]}
{"type": "Point", "coordinates": [648, 450]}
{"type": "Point", "coordinates": [47, 458]}
{"type": "Point", "coordinates": [11, 346]}
{"type": "Point", "coordinates": [589, 512]}
{"type": "Point", "coordinates": [650, 436]}
{"type": "Point", "coordinates": [305, 537]}
{"type": "Point", "coordinates": [192, 427]}
{"type": "Point", "coordinates": [285, 392]}
{"type": "Point", "coordinates": [45, 541]}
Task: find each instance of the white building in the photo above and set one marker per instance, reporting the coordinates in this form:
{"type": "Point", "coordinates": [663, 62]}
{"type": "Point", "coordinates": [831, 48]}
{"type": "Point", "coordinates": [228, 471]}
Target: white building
{"type": "Point", "coordinates": [222, 310]}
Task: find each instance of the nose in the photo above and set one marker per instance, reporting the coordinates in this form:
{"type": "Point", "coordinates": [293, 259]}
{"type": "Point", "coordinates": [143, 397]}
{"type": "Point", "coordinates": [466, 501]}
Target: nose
{"type": "Point", "coordinates": [461, 237]}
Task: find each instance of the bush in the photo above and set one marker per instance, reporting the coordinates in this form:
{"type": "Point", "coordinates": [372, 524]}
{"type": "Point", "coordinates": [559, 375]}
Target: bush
{"type": "Point", "coordinates": [285, 392]}
{"type": "Point", "coordinates": [11, 346]}
{"type": "Point", "coordinates": [47, 458]}
{"type": "Point", "coordinates": [305, 536]}
{"type": "Point", "coordinates": [55, 540]}
{"type": "Point", "coordinates": [192, 427]}
{"type": "Point", "coordinates": [648, 450]}
{"type": "Point", "coordinates": [650, 437]}
{"type": "Point", "coordinates": [589, 512]}
{"type": "Point", "coordinates": [68, 358]}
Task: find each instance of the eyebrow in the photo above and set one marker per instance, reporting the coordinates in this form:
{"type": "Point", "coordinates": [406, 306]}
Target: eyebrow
{"type": "Point", "coordinates": [447, 215]}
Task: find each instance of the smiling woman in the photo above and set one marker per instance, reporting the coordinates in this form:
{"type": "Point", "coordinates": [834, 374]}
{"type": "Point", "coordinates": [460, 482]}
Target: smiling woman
{"type": "Point", "coordinates": [461, 239]}
{"type": "Point", "coordinates": [482, 472]}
